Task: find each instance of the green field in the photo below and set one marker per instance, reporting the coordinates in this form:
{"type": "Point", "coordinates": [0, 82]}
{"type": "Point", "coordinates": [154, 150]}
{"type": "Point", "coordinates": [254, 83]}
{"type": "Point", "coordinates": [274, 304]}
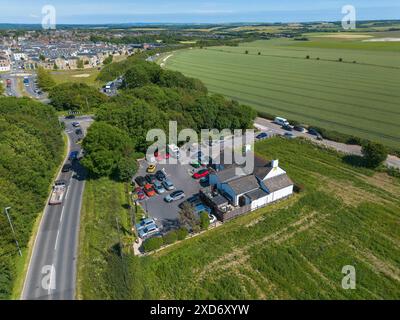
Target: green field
{"type": "Point", "coordinates": [359, 98]}
{"type": "Point", "coordinates": [295, 249]}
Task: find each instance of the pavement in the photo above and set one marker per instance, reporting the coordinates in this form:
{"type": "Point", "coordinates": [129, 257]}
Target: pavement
{"type": "Point", "coordinates": [272, 128]}
{"type": "Point", "coordinates": [52, 268]}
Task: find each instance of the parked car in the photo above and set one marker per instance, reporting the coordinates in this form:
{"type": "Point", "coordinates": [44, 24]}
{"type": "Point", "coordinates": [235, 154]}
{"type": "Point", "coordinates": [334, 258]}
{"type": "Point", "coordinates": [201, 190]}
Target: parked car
{"type": "Point", "coordinates": [151, 168]}
{"type": "Point", "coordinates": [73, 155]}
{"type": "Point", "coordinates": [149, 190]}
{"type": "Point", "coordinates": [158, 187]}
{"type": "Point", "coordinates": [287, 128]}
{"type": "Point", "coordinates": [160, 175]}
{"type": "Point", "coordinates": [205, 182]}
{"type": "Point", "coordinates": [281, 121]}
{"type": "Point", "coordinates": [213, 218]}
{"type": "Point", "coordinates": [140, 181]}
{"type": "Point", "coordinates": [66, 168]}
{"type": "Point", "coordinates": [76, 124]}
{"type": "Point", "coordinates": [201, 174]}
{"type": "Point", "coordinates": [195, 164]}
{"type": "Point", "coordinates": [299, 128]}
{"type": "Point", "coordinates": [148, 231]}
{"type": "Point", "coordinates": [262, 136]}
{"type": "Point", "coordinates": [289, 135]}
{"type": "Point", "coordinates": [151, 178]}
{"type": "Point", "coordinates": [78, 132]}
{"type": "Point", "coordinates": [313, 131]}
{"type": "Point", "coordinates": [144, 223]}
{"type": "Point", "coordinates": [168, 185]}
{"type": "Point", "coordinates": [175, 196]}
{"type": "Point", "coordinates": [140, 193]}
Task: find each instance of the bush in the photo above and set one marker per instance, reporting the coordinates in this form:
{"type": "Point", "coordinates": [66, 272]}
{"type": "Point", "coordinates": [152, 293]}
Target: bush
{"type": "Point", "coordinates": [298, 188]}
{"type": "Point", "coordinates": [374, 154]}
{"type": "Point", "coordinates": [394, 172]}
{"type": "Point", "coordinates": [170, 237]}
{"type": "Point", "coordinates": [182, 233]}
{"type": "Point", "coordinates": [204, 221]}
{"type": "Point", "coordinates": [153, 244]}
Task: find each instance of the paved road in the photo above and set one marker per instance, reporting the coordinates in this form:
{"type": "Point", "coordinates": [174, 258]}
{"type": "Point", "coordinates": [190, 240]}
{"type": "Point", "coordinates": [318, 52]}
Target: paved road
{"type": "Point", "coordinates": [268, 126]}
{"type": "Point", "coordinates": [52, 268]}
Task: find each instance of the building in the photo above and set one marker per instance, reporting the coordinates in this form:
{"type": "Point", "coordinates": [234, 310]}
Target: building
{"type": "Point", "coordinates": [5, 64]}
{"type": "Point", "coordinates": [231, 193]}
{"type": "Point", "coordinates": [20, 56]}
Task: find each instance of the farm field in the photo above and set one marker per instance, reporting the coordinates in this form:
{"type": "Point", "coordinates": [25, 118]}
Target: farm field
{"type": "Point", "coordinates": [355, 98]}
{"type": "Point", "coordinates": [295, 249]}
{"type": "Point", "coordinates": [87, 76]}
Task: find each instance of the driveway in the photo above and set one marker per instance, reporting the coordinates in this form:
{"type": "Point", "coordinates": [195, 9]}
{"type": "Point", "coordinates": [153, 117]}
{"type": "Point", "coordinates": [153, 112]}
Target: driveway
{"type": "Point", "coordinates": [166, 214]}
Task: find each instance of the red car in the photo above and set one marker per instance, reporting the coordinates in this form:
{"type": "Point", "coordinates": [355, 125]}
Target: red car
{"type": "Point", "coordinates": [201, 174]}
{"type": "Point", "coordinates": [149, 190]}
{"type": "Point", "coordinates": [160, 155]}
{"type": "Point", "coordinates": [140, 193]}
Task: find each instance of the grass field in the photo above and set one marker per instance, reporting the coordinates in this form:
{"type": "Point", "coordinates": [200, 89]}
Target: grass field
{"type": "Point", "coordinates": [356, 98]}
{"type": "Point", "coordinates": [87, 76]}
{"type": "Point", "coordinates": [291, 250]}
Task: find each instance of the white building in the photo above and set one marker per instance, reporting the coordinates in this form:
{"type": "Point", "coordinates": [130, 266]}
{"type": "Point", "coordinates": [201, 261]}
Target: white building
{"type": "Point", "coordinates": [5, 65]}
{"type": "Point", "coordinates": [19, 56]}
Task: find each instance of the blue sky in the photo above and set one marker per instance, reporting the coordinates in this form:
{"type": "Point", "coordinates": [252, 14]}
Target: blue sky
{"type": "Point", "coordinates": [184, 11]}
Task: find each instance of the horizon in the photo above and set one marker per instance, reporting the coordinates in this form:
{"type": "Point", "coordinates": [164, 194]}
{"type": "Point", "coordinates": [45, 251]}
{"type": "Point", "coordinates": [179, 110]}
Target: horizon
{"type": "Point", "coordinates": [195, 12]}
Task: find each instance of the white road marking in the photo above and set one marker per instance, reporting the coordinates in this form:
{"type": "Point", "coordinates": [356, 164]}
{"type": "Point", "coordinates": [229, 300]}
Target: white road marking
{"type": "Point", "coordinates": [58, 234]}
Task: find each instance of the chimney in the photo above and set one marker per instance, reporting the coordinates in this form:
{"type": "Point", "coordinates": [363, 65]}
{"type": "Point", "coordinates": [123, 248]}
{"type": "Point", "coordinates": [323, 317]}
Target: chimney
{"type": "Point", "coordinates": [275, 163]}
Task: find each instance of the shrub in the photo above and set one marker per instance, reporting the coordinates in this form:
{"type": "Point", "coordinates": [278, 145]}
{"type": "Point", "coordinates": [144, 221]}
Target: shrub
{"type": "Point", "coordinates": [182, 233]}
{"type": "Point", "coordinates": [153, 244]}
{"type": "Point", "coordinates": [374, 154]}
{"type": "Point", "coordinates": [204, 220]}
{"type": "Point", "coordinates": [298, 188]}
{"type": "Point", "coordinates": [170, 237]}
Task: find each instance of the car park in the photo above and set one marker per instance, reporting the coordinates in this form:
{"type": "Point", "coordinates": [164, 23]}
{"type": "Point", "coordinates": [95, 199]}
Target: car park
{"type": "Point", "coordinates": [262, 136]}
{"type": "Point", "coordinates": [149, 190]}
{"type": "Point", "coordinates": [160, 175]}
{"type": "Point", "coordinates": [140, 181]}
{"type": "Point", "coordinates": [158, 187]}
{"type": "Point", "coordinates": [168, 185]}
{"type": "Point", "coordinates": [151, 178]}
{"type": "Point", "coordinates": [201, 174]}
{"type": "Point", "coordinates": [151, 168]}
{"type": "Point", "coordinates": [66, 168]}
{"type": "Point", "coordinates": [175, 196]}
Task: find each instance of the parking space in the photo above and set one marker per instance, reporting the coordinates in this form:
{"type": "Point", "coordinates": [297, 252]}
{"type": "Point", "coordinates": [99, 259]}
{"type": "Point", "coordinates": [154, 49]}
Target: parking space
{"type": "Point", "coordinates": [166, 214]}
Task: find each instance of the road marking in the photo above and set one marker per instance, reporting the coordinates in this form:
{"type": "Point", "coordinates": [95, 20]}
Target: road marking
{"type": "Point", "coordinates": [62, 214]}
{"type": "Point", "coordinates": [58, 234]}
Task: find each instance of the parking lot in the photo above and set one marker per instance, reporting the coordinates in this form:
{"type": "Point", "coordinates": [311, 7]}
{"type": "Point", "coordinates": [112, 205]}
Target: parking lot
{"type": "Point", "coordinates": [166, 214]}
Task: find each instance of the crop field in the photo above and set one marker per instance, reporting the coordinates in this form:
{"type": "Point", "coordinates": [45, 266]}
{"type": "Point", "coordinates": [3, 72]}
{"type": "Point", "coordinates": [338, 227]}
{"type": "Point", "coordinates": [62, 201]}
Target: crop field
{"type": "Point", "coordinates": [358, 96]}
{"type": "Point", "coordinates": [295, 249]}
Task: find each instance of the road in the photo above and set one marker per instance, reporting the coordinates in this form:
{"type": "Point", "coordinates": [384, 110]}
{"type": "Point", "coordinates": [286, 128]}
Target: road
{"type": "Point", "coordinates": [268, 126]}
{"type": "Point", "coordinates": [52, 269]}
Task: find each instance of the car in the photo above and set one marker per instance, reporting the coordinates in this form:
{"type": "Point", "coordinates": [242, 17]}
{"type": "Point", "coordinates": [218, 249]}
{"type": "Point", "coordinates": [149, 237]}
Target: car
{"type": "Point", "coordinates": [76, 124]}
{"type": "Point", "coordinates": [161, 154]}
{"type": "Point", "coordinates": [158, 187]}
{"type": "Point", "coordinates": [73, 155]}
{"type": "Point", "coordinates": [140, 193]}
{"type": "Point", "coordinates": [175, 196]}
{"type": "Point", "coordinates": [299, 128]}
{"type": "Point", "coordinates": [168, 185]}
{"type": "Point", "coordinates": [319, 137]}
{"type": "Point", "coordinates": [149, 190]}
{"type": "Point", "coordinates": [70, 116]}
{"type": "Point", "coordinates": [149, 230]}
{"type": "Point", "coordinates": [205, 182]}
{"type": "Point", "coordinates": [66, 168]}
{"type": "Point", "coordinates": [79, 141]}
{"type": "Point", "coordinates": [201, 174]}
{"type": "Point", "coordinates": [160, 175]}
{"type": "Point", "coordinates": [141, 181]}
{"type": "Point", "coordinates": [289, 135]}
{"type": "Point", "coordinates": [151, 168]}
{"type": "Point", "coordinates": [78, 132]}
{"type": "Point", "coordinates": [195, 164]}
{"type": "Point", "coordinates": [213, 219]}
{"type": "Point", "coordinates": [144, 223]}
{"type": "Point", "coordinates": [150, 178]}
{"type": "Point", "coordinates": [262, 136]}
{"type": "Point", "coordinates": [313, 132]}
{"type": "Point", "coordinates": [287, 127]}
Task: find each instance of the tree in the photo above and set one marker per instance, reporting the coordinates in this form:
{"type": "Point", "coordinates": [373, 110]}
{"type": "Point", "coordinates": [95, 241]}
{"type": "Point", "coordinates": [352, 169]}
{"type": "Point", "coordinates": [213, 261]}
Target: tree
{"type": "Point", "coordinates": [108, 60]}
{"type": "Point", "coordinates": [182, 233]}
{"type": "Point", "coordinates": [153, 244]}
{"type": "Point", "coordinates": [126, 168]}
{"type": "Point", "coordinates": [80, 64]}
{"type": "Point", "coordinates": [1, 89]}
{"type": "Point", "coordinates": [246, 52]}
{"type": "Point", "coordinates": [188, 218]}
{"type": "Point", "coordinates": [137, 76]}
{"type": "Point", "coordinates": [374, 154]}
{"type": "Point", "coordinates": [307, 57]}
{"type": "Point", "coordinates": [42, 57]}
{"type": "Point", "coordinates": [204, 220]}
{"type": "Point", "coordinates": [45, 80]}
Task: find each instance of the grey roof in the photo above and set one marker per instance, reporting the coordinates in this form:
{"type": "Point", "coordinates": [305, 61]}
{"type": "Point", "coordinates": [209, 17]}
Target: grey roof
{"type": "Point", "coordinates": [278, 183]}
{"type": "Point", "coordinates": [227, 174]}
{"type": "Point", "coordinates": [220, 200]}
{"type": "Point", "coordinates": [244, 184]}
{"type": "Point", "coordinates": [256, 194]}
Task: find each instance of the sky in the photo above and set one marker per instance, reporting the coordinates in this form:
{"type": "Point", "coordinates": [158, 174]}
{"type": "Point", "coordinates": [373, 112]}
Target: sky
{"type": "Point", "coordinates": [192, 11]}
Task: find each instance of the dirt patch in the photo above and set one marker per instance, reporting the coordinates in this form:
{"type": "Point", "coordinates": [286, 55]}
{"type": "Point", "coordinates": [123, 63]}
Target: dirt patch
{"type": "Point", "coordinates": [344, 36]}
{"type": "Point", "coordinates": [384, 181]}
{"type": "Point", "coordinates": [83, 75]}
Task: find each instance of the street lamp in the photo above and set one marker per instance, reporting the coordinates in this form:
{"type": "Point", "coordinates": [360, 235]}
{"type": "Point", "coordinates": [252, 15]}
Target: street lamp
{"type": "Point", "coordinates": [12, 228]}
